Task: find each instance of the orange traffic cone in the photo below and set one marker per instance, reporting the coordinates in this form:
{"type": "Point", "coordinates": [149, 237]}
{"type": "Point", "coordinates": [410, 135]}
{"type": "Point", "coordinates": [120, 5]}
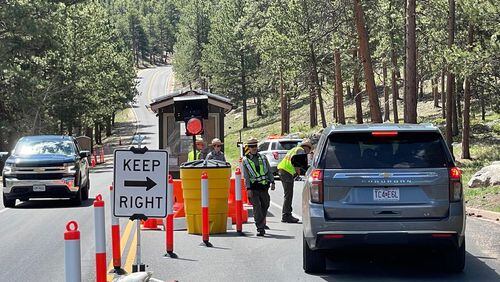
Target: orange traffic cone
{"type": "Point", "coordinates": [152, 224]}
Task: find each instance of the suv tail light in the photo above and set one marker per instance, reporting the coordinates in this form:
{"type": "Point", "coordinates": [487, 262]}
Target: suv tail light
{"type": "Point", "coordinates": [316, 180]}
{"type": "Point", "coordinates": [276, 155]}
{"type": "Point", "coordinates": [455, 175]}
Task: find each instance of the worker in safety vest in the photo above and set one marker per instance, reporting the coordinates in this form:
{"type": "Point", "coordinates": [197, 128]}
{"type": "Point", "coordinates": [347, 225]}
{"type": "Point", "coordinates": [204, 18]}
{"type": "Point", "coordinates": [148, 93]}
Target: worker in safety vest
{"type": "Point", "coordinates": [200, 155]}
{"type": "Point", "coordinates": [258, 179]}
{"type": "Point", "coordinates": [287, 173]}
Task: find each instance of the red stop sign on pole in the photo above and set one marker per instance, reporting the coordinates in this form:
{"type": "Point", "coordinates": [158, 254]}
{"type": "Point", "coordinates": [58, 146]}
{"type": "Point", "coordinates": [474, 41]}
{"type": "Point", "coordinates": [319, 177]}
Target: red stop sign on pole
{"type": "Point", "coordinates": [194, 126]}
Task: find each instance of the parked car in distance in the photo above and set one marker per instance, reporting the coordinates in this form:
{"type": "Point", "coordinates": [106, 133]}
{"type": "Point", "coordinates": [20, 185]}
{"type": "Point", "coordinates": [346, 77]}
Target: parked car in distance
{"type": "Point", "coordinates": [46, 166]}
{"type": "Point", "coordinates": [275, 150]}
{"type": "Point", "coordinates": [383, 185]}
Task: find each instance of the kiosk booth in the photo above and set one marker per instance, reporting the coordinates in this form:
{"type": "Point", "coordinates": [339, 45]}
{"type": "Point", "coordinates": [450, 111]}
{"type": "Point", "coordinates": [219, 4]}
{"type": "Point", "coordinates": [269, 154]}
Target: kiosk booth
{"type": "Point", "coordinates": [173, 111]}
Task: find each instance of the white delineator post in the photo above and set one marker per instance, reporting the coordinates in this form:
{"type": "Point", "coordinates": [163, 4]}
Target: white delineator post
{"type": "Point", "coordinates": [239, 203]}
{"type": "Point", "coordinates": [205, 227]}
{"type": "Point", "coordinates": [169, 226]}
{"type": "Point", "coordinates": [72, 253]}
{"type": "Point", "coordinates": [100, 239]}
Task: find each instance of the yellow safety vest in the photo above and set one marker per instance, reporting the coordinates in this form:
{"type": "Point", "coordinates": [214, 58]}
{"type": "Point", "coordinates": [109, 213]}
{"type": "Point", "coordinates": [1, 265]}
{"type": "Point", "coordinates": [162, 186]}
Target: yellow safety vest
{"type": "Point", "coordinates": [256, 176]}
{"type": "Point", "coordinates": [191, 156]}
{"type": "Point", "coordinates": [286, 163]}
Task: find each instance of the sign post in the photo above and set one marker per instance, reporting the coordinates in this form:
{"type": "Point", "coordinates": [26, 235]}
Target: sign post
{"type": "Point", "coordinates": [140, 181]}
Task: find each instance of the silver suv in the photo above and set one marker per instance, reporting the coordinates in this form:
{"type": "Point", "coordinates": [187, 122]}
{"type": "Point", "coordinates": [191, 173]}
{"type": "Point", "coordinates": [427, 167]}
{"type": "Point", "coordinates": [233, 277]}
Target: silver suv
{"type": "Point", "coordinates": [276, 149]}
{"type": "Point", "coordinates": [383, 185]}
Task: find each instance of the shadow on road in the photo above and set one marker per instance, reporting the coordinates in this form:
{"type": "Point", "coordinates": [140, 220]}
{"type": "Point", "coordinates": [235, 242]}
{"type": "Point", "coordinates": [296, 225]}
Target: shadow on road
{"type": "Point", "coordinates": [53, 204]}
{"type": "Point", "coordinates": [408, 265]}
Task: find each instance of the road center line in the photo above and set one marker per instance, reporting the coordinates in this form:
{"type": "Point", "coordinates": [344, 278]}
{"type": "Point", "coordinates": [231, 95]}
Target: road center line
{"type": "Point", "coordinates": [131, 254]}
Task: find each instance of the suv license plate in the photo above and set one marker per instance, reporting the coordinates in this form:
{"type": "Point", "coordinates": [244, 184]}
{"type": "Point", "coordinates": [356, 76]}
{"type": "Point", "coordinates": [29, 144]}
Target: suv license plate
{"type": "Point", "coordinates": [38, 188]}
{"type": "Point", "coordinates": [386, 194]}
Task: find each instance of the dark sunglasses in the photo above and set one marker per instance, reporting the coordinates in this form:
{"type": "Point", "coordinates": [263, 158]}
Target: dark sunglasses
{"type": "Point", "coordinates": [217, 145]}
{"type": "Point", "coordinates": [252, 146]}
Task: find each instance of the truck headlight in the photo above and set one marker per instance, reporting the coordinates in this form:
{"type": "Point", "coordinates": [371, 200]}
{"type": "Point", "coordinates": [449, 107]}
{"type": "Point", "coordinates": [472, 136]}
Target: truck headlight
{"type": "Point", "coordinates": [7, 169]}
{"type": "Point", "coordinates": [70, 168]}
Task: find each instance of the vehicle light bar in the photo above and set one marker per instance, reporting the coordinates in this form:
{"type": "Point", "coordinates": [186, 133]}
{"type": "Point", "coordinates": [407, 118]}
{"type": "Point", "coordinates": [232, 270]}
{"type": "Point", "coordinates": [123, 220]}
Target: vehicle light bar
{"type": "Point", "coordinates": [384, 133]}
{"type": "Point", "coordinates": [333, 236]}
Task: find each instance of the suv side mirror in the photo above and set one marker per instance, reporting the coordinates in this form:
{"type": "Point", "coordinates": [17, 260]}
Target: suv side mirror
{"type": "Point", "coordinates": [84, 154]}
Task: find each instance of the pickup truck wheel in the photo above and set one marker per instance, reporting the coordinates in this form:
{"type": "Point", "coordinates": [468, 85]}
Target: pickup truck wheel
{"type": "Point", "coordinates": [313, 261]}
{"type": "Point", "coordinates": [85, 191]}
{"type": "Point", "coordinates": [9, 203]}
{"type": "Point", "coordinates": [77, 200]}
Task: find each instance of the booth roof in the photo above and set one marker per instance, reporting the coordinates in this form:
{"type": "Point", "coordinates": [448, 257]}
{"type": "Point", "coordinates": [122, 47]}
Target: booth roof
{"type": "Point", "coordinates": [214, 99]}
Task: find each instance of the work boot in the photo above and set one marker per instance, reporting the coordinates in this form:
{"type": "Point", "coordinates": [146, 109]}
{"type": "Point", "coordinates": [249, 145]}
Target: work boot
{"type": "Point", "coordinates": [261, 232]}
{"type": "Point", "coordinates": [289, 219]}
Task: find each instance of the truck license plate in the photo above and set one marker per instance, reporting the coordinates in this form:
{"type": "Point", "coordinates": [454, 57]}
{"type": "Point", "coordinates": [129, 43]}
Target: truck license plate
{"type": "Point", "coordinates": [386, 194]}
{"type": "Point", "coordinates": [38, 188]}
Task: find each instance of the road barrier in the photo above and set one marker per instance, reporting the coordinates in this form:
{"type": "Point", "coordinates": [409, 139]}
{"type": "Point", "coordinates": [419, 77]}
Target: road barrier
{"type": "Point", "coordinates": [72, 253]}
{"type": "Point", "coordinates": [205, 224]}
{"type": "Point", "coordinates": [100, 239]}
{"type": "Point", "coordinates": [239, 204]}
{"type": "Point", "coordinates": [169, 224]}
{"type": "Point", "coordinates": [115, 237]}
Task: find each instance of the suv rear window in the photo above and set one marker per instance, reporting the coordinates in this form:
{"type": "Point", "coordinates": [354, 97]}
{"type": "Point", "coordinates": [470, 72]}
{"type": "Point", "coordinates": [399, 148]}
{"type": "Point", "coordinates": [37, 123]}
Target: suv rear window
{"type": "Point", "coordinates": [364, 151]}
{"type": "Point", "coordinates": [286, 145]}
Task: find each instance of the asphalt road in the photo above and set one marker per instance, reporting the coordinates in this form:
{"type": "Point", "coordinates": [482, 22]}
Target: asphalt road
{"type": "Point", "coordinates": [32, 246]}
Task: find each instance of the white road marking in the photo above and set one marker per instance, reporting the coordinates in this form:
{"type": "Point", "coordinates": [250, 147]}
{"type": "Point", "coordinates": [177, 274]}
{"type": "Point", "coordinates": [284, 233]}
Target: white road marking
{"type": "Point", "coordinates": [281, 208]}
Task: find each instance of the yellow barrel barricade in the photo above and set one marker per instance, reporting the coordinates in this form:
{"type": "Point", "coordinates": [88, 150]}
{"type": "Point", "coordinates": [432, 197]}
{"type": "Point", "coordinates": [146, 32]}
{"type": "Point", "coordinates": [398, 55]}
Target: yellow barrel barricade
{"type": "Point", "coordinates": [219, 174]}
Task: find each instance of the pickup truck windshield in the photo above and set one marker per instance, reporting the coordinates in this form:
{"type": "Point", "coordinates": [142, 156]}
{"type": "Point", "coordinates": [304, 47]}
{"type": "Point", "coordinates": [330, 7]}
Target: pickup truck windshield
{"type": "Point", "coordinates": [364, 151]}
{"type": "Point", "coordinates": [44, 147]}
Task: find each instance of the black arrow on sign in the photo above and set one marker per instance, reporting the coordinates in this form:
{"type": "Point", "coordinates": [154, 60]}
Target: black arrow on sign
{"type": "Point", "coordinates": [149, 183]}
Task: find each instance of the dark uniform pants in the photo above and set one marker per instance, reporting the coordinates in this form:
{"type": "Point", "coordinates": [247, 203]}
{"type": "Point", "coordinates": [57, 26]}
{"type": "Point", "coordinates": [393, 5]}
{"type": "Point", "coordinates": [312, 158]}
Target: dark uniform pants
{"type": "Point", "coordinates": [287, 180]}
{"type": "Point", "coordinates": [260, 200]}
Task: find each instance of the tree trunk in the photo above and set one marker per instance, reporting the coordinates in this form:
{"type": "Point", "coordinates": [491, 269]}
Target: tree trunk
{"type": "Point", "coordinates": [443, 94]}
{"type": "Point", "coordinates": [316, 85]}
{"type": "Point", "coordinates": [395, 88]}
{"type": "Point", "coordinates": [348, 92]}
{"type": "Point", "coordinates": [338, 88]}
{"type": "Point", "coordinates": [435, 92]}
{"type": "Point", "coordinates": [108, 127]}
{"type": "Point", "coordinates": [405, 63]}
{"type": "Point", "coordinates": [245, 117]}
{"type": "Point", "coordinates": [96, 134]}
{"type": "Point", "coordinates": [113, 117]}
{"type": "Point", "coordinates": [259, 107]}
{"type": "Point", "coordinates": [89, 132]}
{"type": "Point", "coordinates": [483, 108]}
{"type": "Point", "coordinates": [244, 89]}
{"type": "Point", "coordinates": [386, 92]}
{"type": "Point", "coordinates": [411, 65]}
{"type": "Point", "coordinates": [454, 108]}
{"type": "Point", "coordinates": [357, 91]}
{"type": "Point", "coordinates": [450, 78]}
{"type": "Point", "coordinates": [313, 112]}
{"type": "Point", "coordinates": [364, 50]}
{"type": "Point", "coordinates": [285, 123]}
{"type": "Point", "coordinates": [467, 97]}
{"type": "Point", "coordinates": [459, 92]}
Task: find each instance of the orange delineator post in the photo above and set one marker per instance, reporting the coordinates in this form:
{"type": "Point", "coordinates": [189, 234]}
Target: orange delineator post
{"type": "Point", "coordinates": [232, 201]}
{"type": "Point", "coordinates": [169, 226]}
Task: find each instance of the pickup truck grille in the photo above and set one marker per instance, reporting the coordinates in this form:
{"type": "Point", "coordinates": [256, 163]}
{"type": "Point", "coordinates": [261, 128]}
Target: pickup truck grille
{"type": "Point", "coordinates": [41, 176]}
{"type": "Point", "coordinates": [38, 170]}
